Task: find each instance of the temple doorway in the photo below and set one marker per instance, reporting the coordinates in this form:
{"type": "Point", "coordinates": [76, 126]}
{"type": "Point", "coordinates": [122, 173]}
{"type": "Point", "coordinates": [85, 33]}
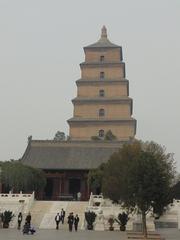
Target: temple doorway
{"type": "Point", "coordinates": [74, 186]}
{"type": "Point", "coordinates": [48, 191]}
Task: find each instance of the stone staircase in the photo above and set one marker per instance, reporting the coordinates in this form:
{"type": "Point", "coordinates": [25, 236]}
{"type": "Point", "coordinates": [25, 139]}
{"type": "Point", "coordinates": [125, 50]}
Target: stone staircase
{"type": "Point", "coordinates": [38, 210]}
{"type": "Point", "coordinates": [47, 218]}
{"type": "Point", "coordinates": [77, 208]}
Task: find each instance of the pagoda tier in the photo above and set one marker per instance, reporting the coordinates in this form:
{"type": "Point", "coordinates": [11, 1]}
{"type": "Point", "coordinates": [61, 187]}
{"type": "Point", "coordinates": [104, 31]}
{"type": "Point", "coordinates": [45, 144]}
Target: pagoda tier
{"type": "Point", "coordinates": [102, 101]}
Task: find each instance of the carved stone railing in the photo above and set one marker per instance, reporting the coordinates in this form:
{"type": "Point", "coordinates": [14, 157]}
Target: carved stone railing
{"type": "Point", "coordinates": [25, 199]}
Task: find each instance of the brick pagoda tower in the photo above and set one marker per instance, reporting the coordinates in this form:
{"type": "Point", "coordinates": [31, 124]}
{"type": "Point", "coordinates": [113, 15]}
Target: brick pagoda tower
{"type": "Point", "coordinates": [102, 106]}
{"type": "Point", "coordinates": [102, 101]}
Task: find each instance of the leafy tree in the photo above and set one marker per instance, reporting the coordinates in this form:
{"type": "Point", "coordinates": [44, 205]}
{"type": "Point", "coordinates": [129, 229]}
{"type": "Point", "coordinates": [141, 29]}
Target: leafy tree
{"type": "Point", "coordinates": [140, 176]}
{"type": "Point", "coordinates": [95, 177]}
{"type": "Point", "coordinates": [20, 177]}
{"type": "Point", "coordinates": [60, 136]}
{"type": "Point", "coordinates": [109, 136]}
{"type": "Point", "coordinates": [95, 138]}
{"type": "Point", "coordinates": [176, 190]}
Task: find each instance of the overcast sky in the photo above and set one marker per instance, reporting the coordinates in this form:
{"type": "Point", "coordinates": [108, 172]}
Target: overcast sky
{"type": "Point", "coordinates": [41, 46]}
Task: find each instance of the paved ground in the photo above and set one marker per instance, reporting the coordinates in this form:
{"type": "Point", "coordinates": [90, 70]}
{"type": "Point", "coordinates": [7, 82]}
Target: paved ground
{"type": "Point", "coordinates": [62, 235]}
{"type": "Point", "coordinates": [170, 233]}
{"type": "Point", "coordinates": [12, 234]}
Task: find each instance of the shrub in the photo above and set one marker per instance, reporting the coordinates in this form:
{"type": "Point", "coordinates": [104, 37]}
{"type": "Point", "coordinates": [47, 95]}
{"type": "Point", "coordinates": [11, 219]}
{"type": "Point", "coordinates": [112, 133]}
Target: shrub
{"type": "Point", "coordinates": [7, 216]}
{"type": "Point", "coordinates": [90, 219]}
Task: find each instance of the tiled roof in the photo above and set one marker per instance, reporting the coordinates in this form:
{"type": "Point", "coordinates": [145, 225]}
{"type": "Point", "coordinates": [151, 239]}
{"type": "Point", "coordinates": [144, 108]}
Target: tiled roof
{"type": "Point", "coordinates": [67, 155]}
{"type": "Point", "coordinates": [102, 43]}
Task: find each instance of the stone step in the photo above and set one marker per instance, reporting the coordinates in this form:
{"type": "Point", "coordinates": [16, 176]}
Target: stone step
{"type": "Point", "coordinates": [48, 220]}
{"type": "Point", "coordinates": [79, 208]}
{"type": "Point", "coordinates": [38, 210]}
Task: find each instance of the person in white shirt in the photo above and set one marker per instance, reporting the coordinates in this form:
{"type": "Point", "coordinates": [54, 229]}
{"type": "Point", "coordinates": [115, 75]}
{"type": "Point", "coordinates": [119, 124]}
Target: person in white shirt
{"type": "Point", "coordinates": [57, 219]}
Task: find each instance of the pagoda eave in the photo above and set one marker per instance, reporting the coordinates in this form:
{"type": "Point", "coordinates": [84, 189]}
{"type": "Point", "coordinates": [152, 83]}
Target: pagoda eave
{"type": "Point", "coordinates": [101, 64]}
{"type": "Point", "coordinates": [121, 81]}
{"type": "Point", "coordinates": [101, 120]}
{"type": "Point", "coordinates": [119, 100]}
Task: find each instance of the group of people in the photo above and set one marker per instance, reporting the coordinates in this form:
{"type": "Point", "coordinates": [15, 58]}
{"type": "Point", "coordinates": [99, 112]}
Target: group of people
{"type": "Point", "coordinates": [72, 220]}
{"type": "Point", "coordinates": [27, 228]}
{"type": "Point", "coordinates": [60, 217]}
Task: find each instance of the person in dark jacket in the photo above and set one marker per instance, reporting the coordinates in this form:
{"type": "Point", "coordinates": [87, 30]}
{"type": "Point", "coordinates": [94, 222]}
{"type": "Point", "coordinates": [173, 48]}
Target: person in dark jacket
{"type": "Point", "coordinates": [70, 221]}
{"type": "Point", "coordinates": [28, 219]}
{"type": "Point", "coordinates": [19, 220]}
{"type": "Point", "coordinates": [57, 219]}
{"type": "Point", "coordinates": [63, 213]}
{"type": "Point", "coordinates": [76, 221]}
{"type": "Point", "coordinates": [26, 228]}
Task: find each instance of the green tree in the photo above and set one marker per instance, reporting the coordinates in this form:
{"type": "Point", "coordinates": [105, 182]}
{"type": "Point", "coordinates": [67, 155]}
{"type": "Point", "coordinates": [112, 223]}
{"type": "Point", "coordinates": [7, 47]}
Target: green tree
{"type": "Point", "coordinates": [109, 136]}
{"type": "Point", "coordinates": [95, 177]}
{"type": "Point", "coordinates": [176, 190]}
{"type": "Point", "coordinates": [20, 177]}
{"type": "Point", "coordinates": [140, 176]}
{"type": "Point", "coordinates": [59, 136]}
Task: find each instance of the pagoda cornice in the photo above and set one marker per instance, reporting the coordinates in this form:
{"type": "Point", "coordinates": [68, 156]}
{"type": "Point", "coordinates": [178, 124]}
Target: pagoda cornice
{"type": "Point", "coordinates": [98, 81]}
{"type": "Point", "coordinates": [83, 100]}
{"type": "Point", "coordinates": [98, 121]}
{"type": "Point", "coordinates": [101, 64]}
{"type": "Point", "coordinates": [99, 47]}
{"type": "Point", "coordinates": [101, 119]}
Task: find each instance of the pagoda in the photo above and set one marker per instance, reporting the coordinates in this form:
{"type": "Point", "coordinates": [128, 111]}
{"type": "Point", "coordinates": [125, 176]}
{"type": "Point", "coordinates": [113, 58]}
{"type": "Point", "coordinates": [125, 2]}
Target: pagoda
{"type": "Point", "coordinates": [102, 104]}
{"type": "Point", "coordinates": [102, 122]}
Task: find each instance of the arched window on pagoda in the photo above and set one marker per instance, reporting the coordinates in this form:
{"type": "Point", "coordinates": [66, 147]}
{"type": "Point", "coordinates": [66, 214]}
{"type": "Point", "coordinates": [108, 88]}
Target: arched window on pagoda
{"type": "Point", "coordinates": [101, 93]}
{"type": "Point", "coordinates": [102, 58]}
{"type": "Point", "coordinates": [101, 133]}
{"type": "Point", "coordinates": [102, 75]}
{"type": "Point", "coordinates": [101, 112]}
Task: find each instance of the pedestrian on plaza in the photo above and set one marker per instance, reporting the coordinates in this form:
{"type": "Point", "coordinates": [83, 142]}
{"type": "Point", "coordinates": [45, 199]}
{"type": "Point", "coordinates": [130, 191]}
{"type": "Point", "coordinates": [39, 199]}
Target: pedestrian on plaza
{"type": "Point", "coordinates": [70, 221]}
{"type": "Point", "coordinates": [57, 219]}
{"type": "Point", "coordinates": [28, 219]}
{"type": "Point", "coordinates": [76, 221]}
{"type": "Point", "coordinates": [26, 228]}
{"type": "Point", "coordinates": [63, 213]}
{"type": "Point", "coordinates": [79, 196]}
{"type": "Point", "coordinates": [19, 220]}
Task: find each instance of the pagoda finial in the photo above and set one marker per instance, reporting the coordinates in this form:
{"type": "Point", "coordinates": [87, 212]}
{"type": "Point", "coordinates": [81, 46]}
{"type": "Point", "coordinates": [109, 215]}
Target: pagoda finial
{"type": "Point", "coordinates": [104, 32]}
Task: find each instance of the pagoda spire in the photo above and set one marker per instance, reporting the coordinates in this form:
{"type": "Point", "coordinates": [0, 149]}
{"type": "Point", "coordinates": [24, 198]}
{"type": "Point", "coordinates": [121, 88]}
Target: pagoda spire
{"type": "Point", "coordinates": [103, 32]}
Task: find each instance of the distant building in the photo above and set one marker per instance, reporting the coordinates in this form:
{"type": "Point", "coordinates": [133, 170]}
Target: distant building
{"type": "Point", "coordinates": [102, 121]}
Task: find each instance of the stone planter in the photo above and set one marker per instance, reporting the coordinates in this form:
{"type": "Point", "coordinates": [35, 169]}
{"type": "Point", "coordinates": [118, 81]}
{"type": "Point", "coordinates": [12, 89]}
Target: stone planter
{"type": "Point", "coordinates": [123, 228]}
{"type": "Point", "coordinates": [5, 225]}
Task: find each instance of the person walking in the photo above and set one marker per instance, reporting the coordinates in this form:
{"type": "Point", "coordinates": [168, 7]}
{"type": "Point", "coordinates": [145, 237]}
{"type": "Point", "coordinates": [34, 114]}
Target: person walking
{"type": "Point", "coordinates": [70, 221]}
{"type": "Point", "coordinates": [19, 220]}
{"type": "Point", "coordinates": [63, 213]}
{"type": "Point", "coordinates": [76, 221]}
{"type": "Point", "coordinates": [28, 219]}
{"type": "Point", "coordinates": [79, 196]}
{"type": "Point", "coordinates": [57, 219]}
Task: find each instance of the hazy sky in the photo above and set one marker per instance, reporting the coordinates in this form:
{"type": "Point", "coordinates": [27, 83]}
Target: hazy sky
{"type": "Point", "coordinates": [41, 46]}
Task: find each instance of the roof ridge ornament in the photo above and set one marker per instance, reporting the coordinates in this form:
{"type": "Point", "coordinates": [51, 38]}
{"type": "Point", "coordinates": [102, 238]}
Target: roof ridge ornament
{"type": "Point", "coordinates": [103, 32]}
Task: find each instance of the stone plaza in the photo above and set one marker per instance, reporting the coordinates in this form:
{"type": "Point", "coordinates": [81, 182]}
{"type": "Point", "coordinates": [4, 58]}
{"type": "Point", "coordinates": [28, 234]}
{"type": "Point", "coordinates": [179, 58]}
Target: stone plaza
{"type": "Point", "coordinates": [13, 234]}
